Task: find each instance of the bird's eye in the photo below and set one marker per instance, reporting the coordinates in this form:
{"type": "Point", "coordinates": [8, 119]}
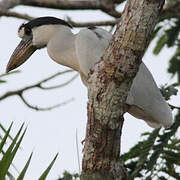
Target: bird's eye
{"type": "Point", "coordinates": [27, 31]}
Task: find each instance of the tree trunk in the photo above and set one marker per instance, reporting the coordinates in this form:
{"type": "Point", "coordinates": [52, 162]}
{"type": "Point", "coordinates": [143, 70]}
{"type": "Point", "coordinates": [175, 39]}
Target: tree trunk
{"type": "Point", "coordinates": [109, 84]}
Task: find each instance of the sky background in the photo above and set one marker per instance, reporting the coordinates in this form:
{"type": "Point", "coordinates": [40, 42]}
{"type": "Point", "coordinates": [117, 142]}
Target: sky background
{"type": "Point", "coordinates": [54, 131]}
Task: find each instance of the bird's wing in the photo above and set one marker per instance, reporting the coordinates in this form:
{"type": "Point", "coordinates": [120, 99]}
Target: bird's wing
{"type": "Point", "coordinates": [145, 94]}
{"type": "Point", "coordinates": [144, 97]}
{"type": "Point", "coordinates": [90, 45]}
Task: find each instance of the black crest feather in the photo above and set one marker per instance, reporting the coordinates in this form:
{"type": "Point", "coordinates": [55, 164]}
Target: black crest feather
{"type": "Point", "coordinates": [47, 20]}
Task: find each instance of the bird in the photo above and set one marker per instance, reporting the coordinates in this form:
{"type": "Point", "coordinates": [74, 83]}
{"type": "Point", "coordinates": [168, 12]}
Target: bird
{"type": "Point", "coordinates": [81, 51]}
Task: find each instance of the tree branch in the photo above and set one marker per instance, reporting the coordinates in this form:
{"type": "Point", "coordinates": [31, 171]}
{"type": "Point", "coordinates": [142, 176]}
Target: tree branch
{"type": "Point", "coordinates": [108, 87]}
{"type": "Point", "coordinates": [63, 4]}
{"type": "Point", "coordinates": [7, 4]}
{"type": "Point", "coordinates": [174, 107]}
{"type": "Point", "coordinates": [171, 10]}
{"type": "Point", "coordinates": [39, 84]}
{"type": "Point", "coordinates": [61, 85]}
{"type": "Point", "coordinates": [73, 23]}
{"type": "Point", "coordinates": [15, 15]}
{"type": "Point", "coordinates": [43, 109]}
{"type": "Point", "coordinates": [103, 5]}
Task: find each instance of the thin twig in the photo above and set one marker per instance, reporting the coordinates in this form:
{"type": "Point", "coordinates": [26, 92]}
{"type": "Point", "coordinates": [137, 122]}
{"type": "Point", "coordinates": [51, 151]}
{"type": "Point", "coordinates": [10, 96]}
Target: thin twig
{"type": "Point", "coordinates": [43, 109]}
{"type": "Point", "coordinates": [55, 75]}
{"type": "Point", "coordinates": [61, 85]}
{"type": "Point", "coordinates": [20, 92]}
{"type": "Point", "coordinates": [36, 85]}
{"type": "Point", "coordinates": [174, 107]}
{"type": "Point", "coordinates": [9, 73]}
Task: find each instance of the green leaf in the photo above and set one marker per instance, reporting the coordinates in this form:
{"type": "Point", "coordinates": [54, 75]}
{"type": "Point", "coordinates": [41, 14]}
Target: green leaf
{"type": "Point", "coordinates": [176, 84]}
{"type": "Point", "coordinates": [155, 32]}
{"type": "Point", "coordinates": [174, 64]}
{"type": "Point", "coordinates": [22, 174]}
{"type": "Point", "coordinates": [10, 153]}
{"type": "Point", "coordinates": [16, 147]}
{"type": "Point", "coordinates": [5, 138]}
{"type": "Point", "coordinates": [9, 73]}
{"type": "Point", "coordinates": [163, 141]}
{"type": "Point", "coordinates": [67, 176]}
{"type": "Point", "coordinates": [4, 129]}
{"type": "Point", "coordinates": [168, 91]}
{"type": "Point", "coordinates": [160, 44]}
{"type": "Point", "coordinates": [146, 134]}
{"type": "Point", "coordinates": [45, 173]}
{"type": "Point", "coordinates": [170, 173]}
{"type": "Point", "coordinates": [2, 81]}
{"type": "Point", "coordinates": [171, 157]}
{"type": "Point", "coordinates": [145, 151]}
{"type": "Point", "coordinates": [173, 34]}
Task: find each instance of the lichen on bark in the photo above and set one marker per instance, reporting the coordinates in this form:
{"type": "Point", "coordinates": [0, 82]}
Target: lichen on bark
{"type": "Point", "coordinates": [108, 86]}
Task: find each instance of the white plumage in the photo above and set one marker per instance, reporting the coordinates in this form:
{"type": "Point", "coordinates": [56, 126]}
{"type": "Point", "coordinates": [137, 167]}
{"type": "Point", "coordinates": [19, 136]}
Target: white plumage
{"type": "Point", "coordinates": [81, 51]}
{"type": "Point", "coordinates": [144, 97]}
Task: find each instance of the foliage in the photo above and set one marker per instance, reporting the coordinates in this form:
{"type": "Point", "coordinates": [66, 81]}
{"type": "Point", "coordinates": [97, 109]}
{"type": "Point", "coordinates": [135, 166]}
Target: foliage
{"type": "Point", "coordinates": [2, 128]}
{"type": "Point", "coordinates": [169, 36]}
{"type": "Point", "coordinates": [7, 74]}
{"type": "Point", "coordinates": [7, 156]}
{"type": "Point", "coordinates": [69, 176]}
{"type": "Point", "coordinates": [156, 156]}
{"type": "Point", "coordinates": [168, 91]}
{"type": "Point", "coordinates": [8, 153]}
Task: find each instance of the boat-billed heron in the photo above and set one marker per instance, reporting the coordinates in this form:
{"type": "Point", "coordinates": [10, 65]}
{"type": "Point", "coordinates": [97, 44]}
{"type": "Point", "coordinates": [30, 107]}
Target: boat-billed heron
{"type": "Point", "coordinates": [80, 52]}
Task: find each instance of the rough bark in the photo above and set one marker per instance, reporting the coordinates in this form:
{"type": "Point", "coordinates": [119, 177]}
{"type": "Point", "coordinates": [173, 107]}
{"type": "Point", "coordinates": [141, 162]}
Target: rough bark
{"type": "Point", "coordinates": [104, 5]}
{"type": "Point", "coordinates": [109, 83]}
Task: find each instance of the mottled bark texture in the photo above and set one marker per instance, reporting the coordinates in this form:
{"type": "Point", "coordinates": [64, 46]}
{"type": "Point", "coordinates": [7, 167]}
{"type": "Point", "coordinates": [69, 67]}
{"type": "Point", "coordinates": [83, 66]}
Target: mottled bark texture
{"type": "Point", "coordinates": [109, 83]}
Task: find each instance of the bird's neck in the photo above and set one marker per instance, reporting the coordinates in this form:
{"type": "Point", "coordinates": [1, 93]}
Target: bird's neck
{"type": "Point", "coordinates": [61, 48]}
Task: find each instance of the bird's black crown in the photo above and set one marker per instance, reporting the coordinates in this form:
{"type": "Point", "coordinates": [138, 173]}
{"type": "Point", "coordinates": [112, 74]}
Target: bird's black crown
{"type": "Point", "coordinates": [47, 20]}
